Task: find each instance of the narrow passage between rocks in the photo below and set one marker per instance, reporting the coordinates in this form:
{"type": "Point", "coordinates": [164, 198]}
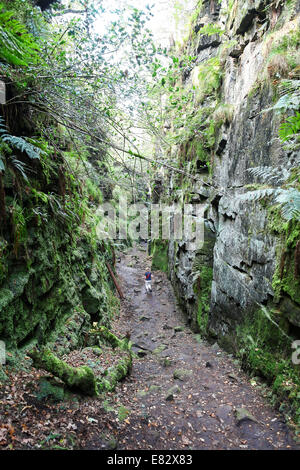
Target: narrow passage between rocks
{"type": "Point", "coordinates": [184, 393]}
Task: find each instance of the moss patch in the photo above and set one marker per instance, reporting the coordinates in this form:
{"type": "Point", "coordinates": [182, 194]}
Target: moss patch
{"type": "Point", "coordinates": [81, 378]}
{"type": "Point", "coordinates": [64, 274]}
{"type": "Point", "coordinates": [286, 278]}
{"type": "Point", "coordinates": [264, 348]}
{"type": "Point", "coordinates": [159, 251]}
{"type": "Point", "coordinates": [202, 288]}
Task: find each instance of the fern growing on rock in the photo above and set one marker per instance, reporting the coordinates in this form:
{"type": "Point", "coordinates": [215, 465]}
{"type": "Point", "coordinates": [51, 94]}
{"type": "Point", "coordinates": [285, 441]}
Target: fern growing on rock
{"type": "Point", "coordinates": [17, 46]}
{"type": "Point", "coordinates": [289, 102]}
{"type": "Point", "coordinates": [19, 144]}
{"type": "Point", "coordinates": [288, 199]}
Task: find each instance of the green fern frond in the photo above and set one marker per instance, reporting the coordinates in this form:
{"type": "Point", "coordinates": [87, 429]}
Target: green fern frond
{"type": "Point", "coordinates": [289, 199]}
{"type": "Point", "coordinates": [289, 100]}
{"type": "Point", "coordinates": [290, 128]}
{"type": "Point", "coordinates": [210, 30]}
{"type": "Point", "coordinates": [20, 167]}
{"type": "Point", "coordinates": [269, 174]}
{"type": "Point", "coordinates": [17, 46]}
{"type": "Point", "coordinates": [290, 202]}
{"type": "Point", "coordinates": [20, 144]}
{"type": "Point", "coordinates": [2, 166]}
{"type": "Point", "coordinates": [259, 194]}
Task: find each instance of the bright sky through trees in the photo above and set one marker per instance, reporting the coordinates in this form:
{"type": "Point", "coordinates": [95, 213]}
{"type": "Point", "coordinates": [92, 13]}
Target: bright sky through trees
{"type": "Point", "coordinates": [168, 16]}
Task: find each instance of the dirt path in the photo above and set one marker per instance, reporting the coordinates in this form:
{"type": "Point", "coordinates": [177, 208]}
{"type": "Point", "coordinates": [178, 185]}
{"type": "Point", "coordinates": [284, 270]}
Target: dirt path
{"type": "Point", "coordinates": [151, 408]}
{"type": "Point", "coordinates": [199, 412]}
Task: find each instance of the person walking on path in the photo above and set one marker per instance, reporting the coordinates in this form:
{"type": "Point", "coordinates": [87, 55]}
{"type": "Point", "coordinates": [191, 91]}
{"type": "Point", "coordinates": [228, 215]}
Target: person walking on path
{"type": "Point", "coordinates": [148, 281]}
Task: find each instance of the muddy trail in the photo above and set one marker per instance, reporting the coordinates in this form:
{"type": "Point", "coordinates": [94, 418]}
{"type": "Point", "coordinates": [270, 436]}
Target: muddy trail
{"type": "Point", "coordinates": [184, 393]}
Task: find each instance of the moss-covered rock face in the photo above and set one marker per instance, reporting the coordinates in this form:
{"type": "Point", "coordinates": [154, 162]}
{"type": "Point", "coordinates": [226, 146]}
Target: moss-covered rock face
{"type": "Point", "coordinates": [191, 273]}
{"type": "Point", "coordinates": [64, 274]}
{"type": "Point", "coordinates": [286, 279]}
{"type": "Point", "coordinates": [52, 264]}
{"type": "Point", "coordinates": [203, 290]}
{"type": "Point", "coordinates": [244, 51]}
{"type": "Point", "coordinates": [262, 342]}
{"type": "Point", "coordinates": [159, 251]}
{"type": "Point", "coordinates": [253, 259]}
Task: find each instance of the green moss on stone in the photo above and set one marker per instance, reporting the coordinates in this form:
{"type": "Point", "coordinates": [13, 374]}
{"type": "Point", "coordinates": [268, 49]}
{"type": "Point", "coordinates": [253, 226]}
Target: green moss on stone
{"type": "Point", "coordinates": [81, 378]}
{"type": "Point", "coordinates": [37, 297]}
{"type": "Point", "coordinates": [286, 278]}
{"type": "Point", "coordinates": [264, 347]}
{"type": "Point", "coordinates": [115, 374]}
{"type": "Point", "coordinates": [202, 288]}
{"type": "Point", "coordinates": [159, 251]}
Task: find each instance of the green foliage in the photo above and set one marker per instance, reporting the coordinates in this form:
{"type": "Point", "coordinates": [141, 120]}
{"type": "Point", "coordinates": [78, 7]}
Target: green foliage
{"type": "Point", "coordinates": [264, 348]}
{"type": "Point", "coordinates": [196, 11]}
{"type": "Point", "coordinates": [288, 199]}
{"type": "Point", "coordinates": [3, 376]}
{"type": "Point", "coordinates": [13, 143]}
{"type": "Point", "coordinates": [223, 114]}
{"type": "Point", "coordinates": [230, 4]}
{"type": "Point", "coordinates": [267, 174]}
{"type": "Point", "coordinates": [207, 79]}
{"type": "Point", "coordinates": [19, 226]}
{"type": "Point", "coordinates": [285, 279]}
{"type": "Point", "coordinates": [291, 127]}
{"type": "Point", "coordinates": [17, 46]}
{"type": "Point", "coordinates": [289, 130]}
{"type": "Point", "coordinates": [288, 44]}
{"type": "Point", "coordinates": [264, 329]}
{"type": "Point", "coordinates": [159, 251]}
{"type": "Point", "coordinates": [290, 202]}
{"type": "Point", "coordinates": [202, 277]}
{"type": "Point", "coordinates": [48, 390]}
{"type": "Point", "coordinates": [210, 30]}
{"type": "Point", "coordinates": [68, 91]}
{"type": "Point", "coordinates": [94, 193]}
{"type": "Point", "coordinates": [197, 130]}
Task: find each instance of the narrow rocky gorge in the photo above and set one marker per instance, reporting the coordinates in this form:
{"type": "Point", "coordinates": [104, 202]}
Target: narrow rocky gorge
{"type": "Point", "coordinates": [207, 360]}
{"type": "Point", "coordinates": [244, 280]}
{"type": "Point", "coordinates": [183, 393]}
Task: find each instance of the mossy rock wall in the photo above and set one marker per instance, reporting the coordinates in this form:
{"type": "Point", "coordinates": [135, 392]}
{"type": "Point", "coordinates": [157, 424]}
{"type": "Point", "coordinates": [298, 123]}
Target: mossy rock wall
{"type": "Point", "coordinates": [252, 254]}
{"type": "Point", "coordinates": [53, 273]}
{"type": "Point", "coordinates": [191, 273]}
{"type": "Point", "coordinates": [64, 274]}
{"type": "Point", "coordinates": [159, 252]}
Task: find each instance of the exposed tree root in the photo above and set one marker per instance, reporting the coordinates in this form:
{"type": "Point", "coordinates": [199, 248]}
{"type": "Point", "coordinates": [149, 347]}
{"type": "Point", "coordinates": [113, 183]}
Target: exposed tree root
{"type": "Point", "coordinates": [80, 378]}
{"type": "Point", "coordinates": [83, 378]}
{"type": "Point", "coordinates": [113, 340]}
{"type": "Point", "coordinates": [115, 374]}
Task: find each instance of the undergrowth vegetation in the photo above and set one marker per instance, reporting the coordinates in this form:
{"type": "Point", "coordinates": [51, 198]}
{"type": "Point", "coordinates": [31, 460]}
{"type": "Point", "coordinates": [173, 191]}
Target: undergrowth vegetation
{"type": "Point", "coordinates": [61, 147]}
